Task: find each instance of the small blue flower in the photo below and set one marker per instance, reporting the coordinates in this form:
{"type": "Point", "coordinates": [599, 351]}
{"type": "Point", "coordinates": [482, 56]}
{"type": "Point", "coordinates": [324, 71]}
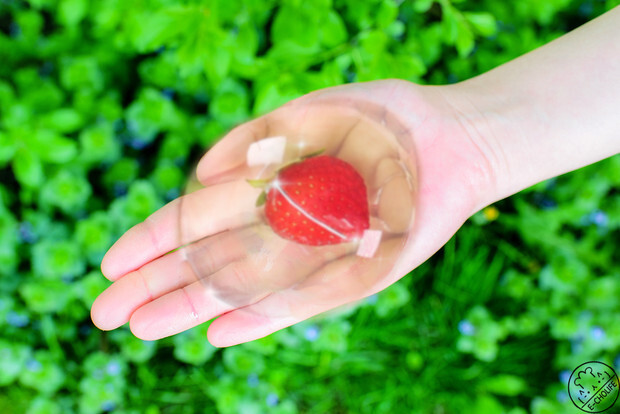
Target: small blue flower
{"type": "Point", "coordinates": [168, 93]}
{"type": "Point", "coordinates": [562, 396]}
{"type": "Point", "coordinates": [46, 69]}
{"type": "Point", "coordinates": [586, 9]}
{"type": "Point", "coordinates": [85, 329]}
{"type": "Point", "coordinates": [253, 380]}
{"type": "Point", "coordinates": [372, 299]}
{"type": "Point", "coordinates": [312, 333]}
{"type": "Point", "coordinates": [108, 405]}
{"type": "Point", "coordinates": [118, 125]}
{"type": "Point", "coordinates": [33, 365]}
{"type": "Point", "coordinates": [18, 320]}
{"type": "Point", "coordinates": [15, 30]}
{"type": "Point", "coordinates": [599, 218]}
{"type": "Point", "coordinates": [172, 194]}
{"type": "Point", "coordinates": [26, 232]}
{"type": "Point", "coordinates": [272, 400]}
{"type": "Point", "coordinates": [113, 368]}
{"type": "Point", "coordinates": [138, 143]}
{"type": "Point", "coordinates": [565, 376]}
{"type": "Point", "coordinates": [466, 328]}
{"type": "Point", "coordinates": [543, 201]}
{"type": "Point", "coordinates": [119, 189]}
{"type": "Point", "coordinates": [597, 333]}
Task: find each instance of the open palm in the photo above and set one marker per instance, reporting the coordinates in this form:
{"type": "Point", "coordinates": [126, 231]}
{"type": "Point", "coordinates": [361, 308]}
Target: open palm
{"type": "Point", "coordinates": [210, 253]}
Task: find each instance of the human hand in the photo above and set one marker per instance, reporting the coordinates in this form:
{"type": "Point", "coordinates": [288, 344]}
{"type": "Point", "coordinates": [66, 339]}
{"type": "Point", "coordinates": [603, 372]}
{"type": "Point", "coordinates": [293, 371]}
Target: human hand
{"type": "Point", "coordinates": [233, 267]}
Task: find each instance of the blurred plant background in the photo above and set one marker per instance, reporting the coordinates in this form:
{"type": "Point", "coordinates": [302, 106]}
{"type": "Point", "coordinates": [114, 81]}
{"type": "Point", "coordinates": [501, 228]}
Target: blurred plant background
{"type": "Point", "coordinates": [105, 105]}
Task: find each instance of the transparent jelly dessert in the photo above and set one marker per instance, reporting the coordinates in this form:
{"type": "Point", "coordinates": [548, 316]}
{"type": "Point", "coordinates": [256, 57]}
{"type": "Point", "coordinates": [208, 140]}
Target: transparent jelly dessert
{"type": "Point", "coordinates": [313, 206]}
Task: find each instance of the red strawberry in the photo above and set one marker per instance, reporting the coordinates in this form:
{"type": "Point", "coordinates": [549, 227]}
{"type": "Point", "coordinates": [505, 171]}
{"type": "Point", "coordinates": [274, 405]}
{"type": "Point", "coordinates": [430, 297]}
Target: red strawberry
{"type": "Point", "coordinates": [318, 201]}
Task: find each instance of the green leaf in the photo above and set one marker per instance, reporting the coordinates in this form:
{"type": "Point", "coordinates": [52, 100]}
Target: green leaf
{"type": "Point", "coordinates": [53, 148]}
{"type": "Point", "coordinates": [45, 97]}
{"type": "Point", "coordinates": [508, 385]}
{"type": "Point", "coordinates": [42, 373]}
{"type": "Point", "coordinates": [422, 6]}
{"type": "Point", "coordinates": [408, 67]}
{"type": "Point", "coordinates": [174, 148]}
{"type": "Point", "coordinates": [257, 183]}
{"type": "Point", "coordinates": [485, 404]}
{"type": "Point", "coordinates": [245, 45]}
{"type": "Point", "coordinates": [89, 287]}
{"type": "Point", "coordinates": [262, 199]}
{"type": "Point", "coordinates": [296, 25]}
{"type": "Point", "coordinates": [414, 360]}
{"type": "Point", "coordinates": [465, 38]}
{"type": "Point", "coordinates": [53, 259]}
{"type": "Point", "coordinates": [81, 72]}
{"type": "Point", "coordinates": [64, 120]}
{"type": "Point", "coordinates": [121, 174]}
{"type": "Point", "coordinates": [71, 12]}
{"type": "Point", "coordinates": [387, 13]}
{"type": "Point", "coordinates": [45, 296]}
{"type": "Point", "coordinates": [243, 362]}
{"type": "Point", "coordinates": [332, 30]}
{"type": "Point", "coordinates": [230, 103]}
{"type": "Point", "coordinates": [313, 154]}
{"type": "Point", "coordinates": [134, 349]}
{"type": "Point", "coordinates": [374, 42]}
{"type": "Point", "coordinates": [66, 190]}
{"type": "Point", "coordinates": [103, 382]}
{"type": "Point", "coordinates": [192, 346]}
{"type": "Point", "coordinates": [153, 30]}
{"type": "Point", "coordinates": [150, 114]}
{"type": "Point", "coordinates": [333, 337]}
{"type": "Point", "coordinates": [99, 144]}
{"type": "Point", "coordinates": [7, 95]}
{"type": "Point", "coordinates": [483, 22]}
{"type": "Point", "coordinates": [168, 180]}
{"type": "Point", "coordinates": [271, 95]}
{"type": "Point", "coordinates": [27, 168]}
{"type": "Point", "coordinates": [9, 257]}
{"type": "Point", "coordinates": [8, 148]}
{"type": "Point", "coordinates": [44, 405]}
{"type": "Point", "coordinates": [13, 357]}
{"type": "Point", "coordinates": [217, 63]}
{"type": "Point", "coordinates": [94, 234]}
{"type": "Point", "coordinates": [391, 299]}
{"type": "Point", "coordinates": [142, 200]}
{"type": "Point", "coordinates": [449, 23]}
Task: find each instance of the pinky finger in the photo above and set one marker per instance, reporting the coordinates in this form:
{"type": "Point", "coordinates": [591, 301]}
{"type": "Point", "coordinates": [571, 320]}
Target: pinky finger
{"type": "Point", "coordinates": [340, 282]}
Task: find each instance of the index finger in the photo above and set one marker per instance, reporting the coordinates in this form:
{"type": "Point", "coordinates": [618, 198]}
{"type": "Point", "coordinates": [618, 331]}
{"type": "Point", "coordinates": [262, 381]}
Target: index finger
{"type": "Point", "coordinates": [186, 219]}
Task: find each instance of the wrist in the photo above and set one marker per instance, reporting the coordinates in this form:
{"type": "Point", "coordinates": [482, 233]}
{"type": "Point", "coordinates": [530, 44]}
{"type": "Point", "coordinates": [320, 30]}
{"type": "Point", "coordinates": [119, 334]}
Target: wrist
{"type": "Point", "coordinates": [492, 119]}
{"type": "Point", "coordinates": [550, 111]}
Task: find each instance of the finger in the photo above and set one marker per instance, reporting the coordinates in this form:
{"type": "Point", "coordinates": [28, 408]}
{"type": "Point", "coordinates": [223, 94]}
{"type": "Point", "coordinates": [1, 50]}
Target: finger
{"type": "Point", "coordinates": [188, 218]}
{"type": "Point", "coordinates": [306, 127]}
{"type": "Point", "coordinates": [339, 282]}
{"type": "Point", "coordinates": [365, 134]}
{"type": "Point", "coordinates": [116, 304]}
{"type": "Point", "coordinates": [268, 267]}
{"type": "Point", "coordinates": [227, 158]}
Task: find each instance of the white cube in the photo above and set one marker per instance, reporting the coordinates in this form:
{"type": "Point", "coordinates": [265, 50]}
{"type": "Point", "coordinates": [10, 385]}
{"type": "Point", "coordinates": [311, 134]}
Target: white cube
{"type": "Point", "coordinates": [369, 243]}
{"type": "Point", "coordinates": [266, 151]}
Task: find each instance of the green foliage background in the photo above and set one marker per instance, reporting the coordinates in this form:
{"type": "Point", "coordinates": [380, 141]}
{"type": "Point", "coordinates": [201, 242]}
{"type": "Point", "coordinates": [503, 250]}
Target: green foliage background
{"type": "Point", "coordinates": [105, 105]}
